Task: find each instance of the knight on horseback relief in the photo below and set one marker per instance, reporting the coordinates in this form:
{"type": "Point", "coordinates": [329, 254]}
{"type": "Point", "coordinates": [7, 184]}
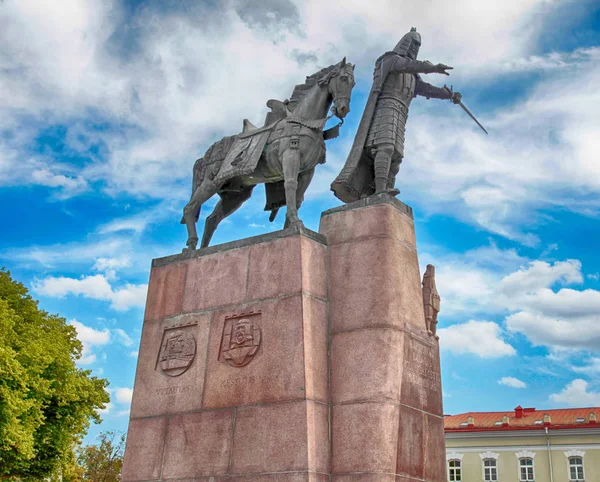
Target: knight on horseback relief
{"type": "Point", "coordinates": [282, 154]}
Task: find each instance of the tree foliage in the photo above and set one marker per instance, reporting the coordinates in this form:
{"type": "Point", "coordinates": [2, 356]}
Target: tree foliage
{"type": "Point", "coordinates": [102, 462]}
{"type": "Point", "coordinates": [46, 402]}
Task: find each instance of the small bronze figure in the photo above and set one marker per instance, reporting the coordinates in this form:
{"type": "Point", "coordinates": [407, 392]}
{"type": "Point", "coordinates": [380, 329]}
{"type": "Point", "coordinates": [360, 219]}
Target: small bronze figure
{"type": "Point", "coordinates": [378, 149]}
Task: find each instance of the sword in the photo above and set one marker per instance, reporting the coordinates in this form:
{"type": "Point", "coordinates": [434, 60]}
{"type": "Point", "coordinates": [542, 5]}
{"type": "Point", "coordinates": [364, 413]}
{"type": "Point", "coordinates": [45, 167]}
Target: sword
{"type": "Point", "coordinates": [467, 110]}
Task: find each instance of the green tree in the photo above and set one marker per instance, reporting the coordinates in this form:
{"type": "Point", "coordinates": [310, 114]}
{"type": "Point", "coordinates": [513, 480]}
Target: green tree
{"type": "Point", "coordinates": [46, 402]}
{"type": "Point", "coordinates": [102, 462]}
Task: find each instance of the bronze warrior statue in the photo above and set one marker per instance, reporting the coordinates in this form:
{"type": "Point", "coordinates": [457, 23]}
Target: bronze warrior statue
{"type": "Point", "coordinates": [378, 148]}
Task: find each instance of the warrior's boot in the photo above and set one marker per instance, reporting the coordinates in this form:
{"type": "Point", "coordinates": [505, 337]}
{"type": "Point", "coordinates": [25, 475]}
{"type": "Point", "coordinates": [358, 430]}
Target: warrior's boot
{"type": "Point", "coordinates": [391, 181]}
{"type": "Point", "coordinates": [382, 164]}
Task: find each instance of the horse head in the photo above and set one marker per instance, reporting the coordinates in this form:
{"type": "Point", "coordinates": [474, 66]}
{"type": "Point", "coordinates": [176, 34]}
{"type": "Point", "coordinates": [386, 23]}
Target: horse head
{"type": "Point", "coordinates": [340, 82]}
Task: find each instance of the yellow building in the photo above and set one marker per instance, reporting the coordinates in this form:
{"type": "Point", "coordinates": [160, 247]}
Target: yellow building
{"type": "Point", "coordinates": [525, 445]}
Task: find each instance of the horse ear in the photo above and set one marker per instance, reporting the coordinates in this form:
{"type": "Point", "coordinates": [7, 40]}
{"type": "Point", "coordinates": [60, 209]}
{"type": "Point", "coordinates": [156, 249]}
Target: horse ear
{"type": "Point", "coordinates": [353, 65]}
{"type": "Point", "coordinates": [343, 63]}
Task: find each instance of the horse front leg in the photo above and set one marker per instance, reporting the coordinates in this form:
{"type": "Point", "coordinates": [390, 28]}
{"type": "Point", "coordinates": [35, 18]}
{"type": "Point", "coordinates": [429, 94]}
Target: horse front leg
{"type": "Point", "coordinates": [291, 167]}
{"type": "Point", "coordinates": [191, 212]}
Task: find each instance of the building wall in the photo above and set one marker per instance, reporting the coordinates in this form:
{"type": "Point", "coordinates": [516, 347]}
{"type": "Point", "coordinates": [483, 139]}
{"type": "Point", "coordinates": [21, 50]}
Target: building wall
{"type": "Point", "coordinates": [507, 445]}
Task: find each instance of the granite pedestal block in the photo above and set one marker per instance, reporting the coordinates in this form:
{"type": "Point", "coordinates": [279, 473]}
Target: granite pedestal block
{"type": "Point", "coordinates": [292, 356]}
{"type": "Point", "coordinates": [232, 377]}
{"type": "Point", "coordinates": [386, 396]}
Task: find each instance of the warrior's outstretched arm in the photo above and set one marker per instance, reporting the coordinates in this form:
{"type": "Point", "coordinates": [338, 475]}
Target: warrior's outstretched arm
{"type": "Point", "coordinates": [408, 66]}
{"type": "Point", "coordinates": [427, 90]}
{"type": "Point", "coordinates": [431, 91]}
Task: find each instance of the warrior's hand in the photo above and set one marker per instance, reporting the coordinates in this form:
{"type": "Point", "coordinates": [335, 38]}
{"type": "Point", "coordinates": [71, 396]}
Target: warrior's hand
{"type": "Point", "coordinates": [456, 97]}
{"type": "Point", "coordinates": [441, 69]}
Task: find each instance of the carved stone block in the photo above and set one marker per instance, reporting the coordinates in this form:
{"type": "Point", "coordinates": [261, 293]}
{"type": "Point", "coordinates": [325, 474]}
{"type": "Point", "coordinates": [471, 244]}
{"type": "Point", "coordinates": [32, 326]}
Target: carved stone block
{"type": "Point", "coordinates": [241, 339]}
{"type": "Point", "coordinates": [171, 366]}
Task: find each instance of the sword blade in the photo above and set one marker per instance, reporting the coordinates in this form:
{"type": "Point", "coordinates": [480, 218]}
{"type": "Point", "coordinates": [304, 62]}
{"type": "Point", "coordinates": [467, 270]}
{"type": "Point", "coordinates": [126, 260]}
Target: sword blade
{"type": "Point", "coordinates": [472, 117]}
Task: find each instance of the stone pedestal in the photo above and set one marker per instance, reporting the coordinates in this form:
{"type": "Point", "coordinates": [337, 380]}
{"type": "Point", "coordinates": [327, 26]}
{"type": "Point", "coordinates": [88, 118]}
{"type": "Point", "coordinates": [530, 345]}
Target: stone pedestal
{"type": "Point", "coordinates": [231, 381]}
{"type": "Point", "coordinates": [292, 356]}
{"type": "Point", "coordinates": [386, 396]}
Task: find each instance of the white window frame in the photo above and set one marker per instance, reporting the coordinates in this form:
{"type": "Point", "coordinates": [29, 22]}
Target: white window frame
{"type": "Point", "coordinates": [457, 457]}
{"type": "Point", "coordinates": [526, 454]}
{"type": "Point", "coordinates": [571, 454]}
{"type": "Point", "coordinates": [489, 456]}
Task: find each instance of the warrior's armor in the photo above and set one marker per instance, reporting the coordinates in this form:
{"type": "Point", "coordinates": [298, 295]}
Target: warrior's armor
{"type": "Point", "coordinates": [379, 144]}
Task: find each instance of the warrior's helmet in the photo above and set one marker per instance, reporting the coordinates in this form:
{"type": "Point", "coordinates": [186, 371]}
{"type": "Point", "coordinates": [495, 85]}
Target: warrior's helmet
{"type": "Point", "coordinates": [409, 45]}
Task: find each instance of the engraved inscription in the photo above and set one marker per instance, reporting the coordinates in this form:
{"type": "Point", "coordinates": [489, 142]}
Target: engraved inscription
{"type": "Point", "coordinates": [241, 339]}
{"type": "Point", "coordinates": [420, 370]}
{"type": "Point", "coordinates": [173, 390]}
{"type": "Point", "coordinates": [177, 351]}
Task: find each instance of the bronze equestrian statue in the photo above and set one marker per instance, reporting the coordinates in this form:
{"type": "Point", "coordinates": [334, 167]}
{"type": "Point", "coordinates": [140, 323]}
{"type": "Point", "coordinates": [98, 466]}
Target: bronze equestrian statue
{"type": "Point", "coordinates": [283, 154]}
{"type": "Point", "coordinates": [378, 148]}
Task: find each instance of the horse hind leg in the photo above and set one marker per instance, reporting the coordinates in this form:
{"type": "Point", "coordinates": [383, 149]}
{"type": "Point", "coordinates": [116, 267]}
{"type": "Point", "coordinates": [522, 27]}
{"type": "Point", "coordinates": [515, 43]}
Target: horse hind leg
{"type": "Point", "coordinates": [228, 204]}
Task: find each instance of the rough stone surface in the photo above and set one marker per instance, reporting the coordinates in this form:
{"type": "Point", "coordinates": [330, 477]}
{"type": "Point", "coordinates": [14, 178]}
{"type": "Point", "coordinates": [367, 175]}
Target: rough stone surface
{"type": "Point", "coordinates": [198, 444]}
{"type": "Point", "coordinates": [411, 439]}
{"type": "Point", "coordinates": [275, 269]}
{"type": "Point", "coordinates": [156, 393]}
{"type": "Point", "coordinates": [277, 371]}
{"type": "Point", "coordinates": [144, 450]}
{"type": "Point", "coordinates": [385, 383]}
{"type": "Point", "coordinates": [216, 280]}
{"type": "Point", "coordinates": [365, 478]}
{"type": "Point", "coordinates": [165, 291]}
{"type": "Point", "coordinates": [315, 348]}
{"type": "Point", "coordinates": [314, 268]}
{"type": "Point", "coordinates": [374, 283]}
{"type": "Point", "coordinates": [366, 365]}
{"type": "Point", "coordinates": [271, 438]}
{"type": "Point", "coordinates": [365, 438]}
{"type": "Point", "coordinates": [421, 380]}
{"type": "Point", "coordinates": [376, 220]}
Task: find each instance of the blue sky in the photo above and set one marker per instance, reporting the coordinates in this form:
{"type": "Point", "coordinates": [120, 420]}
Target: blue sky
{"type": "Point", "coordinates": [104, 107]}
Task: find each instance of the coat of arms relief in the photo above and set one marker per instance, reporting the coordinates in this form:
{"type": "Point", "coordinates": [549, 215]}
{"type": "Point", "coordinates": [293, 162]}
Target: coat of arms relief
{"type": "Point", "coordinates": [241, 339]}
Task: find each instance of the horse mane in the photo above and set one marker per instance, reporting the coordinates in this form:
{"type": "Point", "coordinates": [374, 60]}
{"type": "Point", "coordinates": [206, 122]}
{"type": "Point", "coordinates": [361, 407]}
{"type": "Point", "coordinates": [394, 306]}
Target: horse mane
{"type": "Point", "coordinates": [301, 90]}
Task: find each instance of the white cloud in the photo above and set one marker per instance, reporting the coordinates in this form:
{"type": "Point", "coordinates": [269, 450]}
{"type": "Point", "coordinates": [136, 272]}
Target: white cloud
{"type": "Point", "coordinates": [89, 338]}
{"type": "Point", "coordinates": [540, 274]}
{"type": "Point", "coordinates": [592, 367]}
{"type": "Point", "coordinates": [94, 287]}
{"type": "Point", "coordinates": [123, 337]}
{"type": "Point", "coordinates": [71, 186]}
{"type": "Point", "coordinates": [109, 266]}
{"type": "Point", "coordinates": [123, 395]}
{"type": "Point", "coordinates": [79, 253]}
{"type": "Point", "coordinates": [576, 394]}
{"type": "Point", "coordinates": [512, 382]}
{"type": "Point", "coordinates": [134, 354]}
{"type": "Point", "coordinates": [481, 338]}
{"type": "Point", "coordinates": [532, 296]}
{"type": "Point", "coordinates": [580, 333]}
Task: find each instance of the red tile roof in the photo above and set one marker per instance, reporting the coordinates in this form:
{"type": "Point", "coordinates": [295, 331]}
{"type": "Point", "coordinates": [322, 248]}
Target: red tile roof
{"type": "Point", "coordinates": [564, 418]}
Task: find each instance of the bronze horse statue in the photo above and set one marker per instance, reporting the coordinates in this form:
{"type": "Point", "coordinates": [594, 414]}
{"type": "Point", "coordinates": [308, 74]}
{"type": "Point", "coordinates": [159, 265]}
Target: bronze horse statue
{"type": "Point", "coordinates": [283, 154]}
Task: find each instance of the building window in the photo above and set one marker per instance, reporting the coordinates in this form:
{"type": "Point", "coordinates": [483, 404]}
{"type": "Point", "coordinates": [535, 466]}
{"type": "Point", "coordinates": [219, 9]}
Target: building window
{"type": "Point", "coordinates": [454, 471]}
{"type": "Point", "coordinates": [490, 470]}
{"type": "Point", "coordinates": [576, 469]}
{"type": "Point", "coordinates": [526, 466]}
